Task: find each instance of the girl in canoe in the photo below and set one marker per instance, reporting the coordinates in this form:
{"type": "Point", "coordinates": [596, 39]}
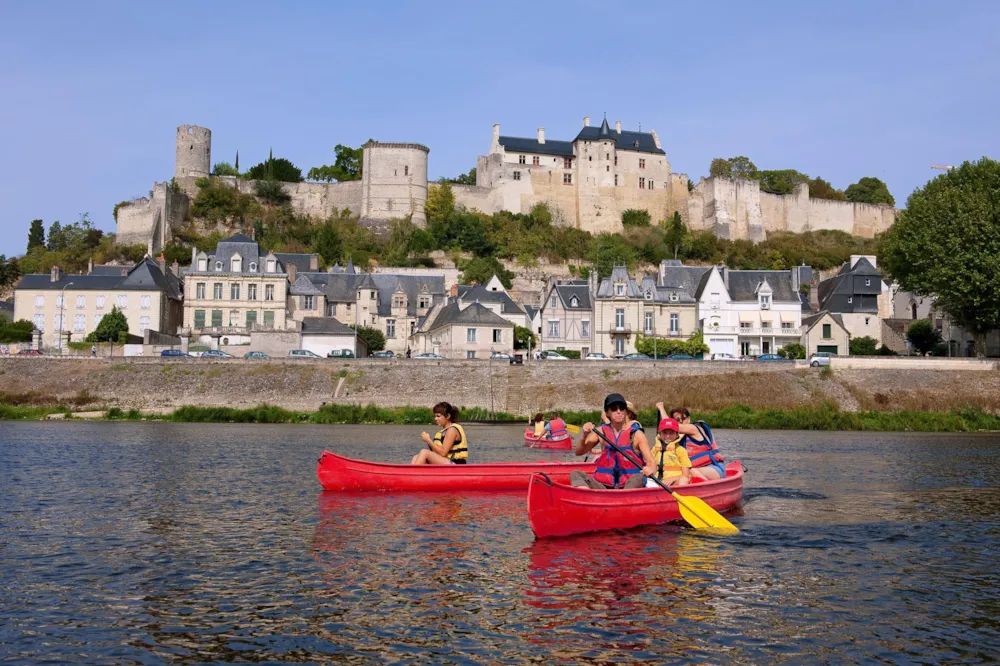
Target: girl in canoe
{"type": "Point", "coordinates": [449, 446]}
{"type": "Point", "coordinates": [706, 460]}
{"type": "Point", "coordinates": [672, 464]}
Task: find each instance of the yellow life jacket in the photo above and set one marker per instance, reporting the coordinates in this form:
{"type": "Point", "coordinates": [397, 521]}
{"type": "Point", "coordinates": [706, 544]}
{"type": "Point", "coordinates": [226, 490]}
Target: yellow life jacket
{"type": "Point", "coordinates": [668, 463]}
{"type": "Point", "coordinates": [460, 449]}
{"type": "Point", "coordinates": [539, 428]}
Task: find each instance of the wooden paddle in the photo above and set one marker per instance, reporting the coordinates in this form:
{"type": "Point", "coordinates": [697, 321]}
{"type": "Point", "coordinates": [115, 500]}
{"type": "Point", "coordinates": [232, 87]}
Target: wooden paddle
{"type": "Point", "coordinates": [694, 510]}
{"type": "Point", "coordinates": [572, 429]}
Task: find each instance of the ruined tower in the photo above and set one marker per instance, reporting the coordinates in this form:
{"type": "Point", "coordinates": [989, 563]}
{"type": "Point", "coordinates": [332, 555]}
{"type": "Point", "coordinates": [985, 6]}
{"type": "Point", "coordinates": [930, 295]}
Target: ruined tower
{"type": "Point", "coordinates": [194, 153]}
{"type": "Point", "coordinates": [393, 182]}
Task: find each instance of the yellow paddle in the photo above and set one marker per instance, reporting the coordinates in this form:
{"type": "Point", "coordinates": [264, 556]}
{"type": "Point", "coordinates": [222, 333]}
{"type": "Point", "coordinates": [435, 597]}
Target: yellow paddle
{"type": "Point", "coordinates": [694, 510]}
{"type": "Point", "coordinates": [572, 429]}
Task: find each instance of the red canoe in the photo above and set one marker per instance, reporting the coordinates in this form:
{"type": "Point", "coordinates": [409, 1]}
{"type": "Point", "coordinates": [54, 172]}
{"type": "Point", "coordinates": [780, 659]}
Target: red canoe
{"type": "Point", "coordinates": [557, 509]}
{"type": "Point", "coordinates": [340, 473]}
{"type": "Point", "coordinates": [565, 443]}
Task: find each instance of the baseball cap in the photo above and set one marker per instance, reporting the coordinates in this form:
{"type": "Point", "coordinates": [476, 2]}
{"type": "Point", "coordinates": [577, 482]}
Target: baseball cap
{"type": "Point", "coordinates": [668, 424]}
{"type": "Point", "coordinates": [614, 399]}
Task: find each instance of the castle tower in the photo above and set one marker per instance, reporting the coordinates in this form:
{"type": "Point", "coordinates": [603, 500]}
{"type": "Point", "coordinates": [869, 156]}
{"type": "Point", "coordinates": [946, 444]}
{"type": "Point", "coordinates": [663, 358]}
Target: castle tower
{"type": "Point", "coordinates": [393, 182]}
{"type": "Point", "coordinates": [194, 152]}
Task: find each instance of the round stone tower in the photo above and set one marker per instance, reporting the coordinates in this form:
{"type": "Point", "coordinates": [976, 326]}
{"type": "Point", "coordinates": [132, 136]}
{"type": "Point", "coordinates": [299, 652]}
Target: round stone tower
{"type": "Point", "coordinates": [394, 182]}
{"type": "Point", "coordinates": [194, 152]}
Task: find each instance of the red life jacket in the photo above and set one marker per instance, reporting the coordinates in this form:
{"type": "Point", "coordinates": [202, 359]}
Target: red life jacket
{"type": "Point", "coordinates": [558, 428]}
{"type": "Point", "coordinates": [614, 469]}
{"type": "Point", "coordinates": [704, 452]}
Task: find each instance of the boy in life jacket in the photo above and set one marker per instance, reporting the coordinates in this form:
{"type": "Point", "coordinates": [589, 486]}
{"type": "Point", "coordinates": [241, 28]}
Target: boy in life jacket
{"type": "Point", "coordinates": [672, 464]}
{"type": "Point", "coordinates": [706, 459]}
{"type": "Point", "coordinates": [614, 470]}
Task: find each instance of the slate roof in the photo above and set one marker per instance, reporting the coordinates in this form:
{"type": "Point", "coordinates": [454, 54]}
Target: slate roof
{"type": "Point", "coordinates": [479, 293]}
{"type": "Point", "coordinates": [530, 311]}
{"type": "Point", "coordinates": [324, 326]}
{"type": "Point", "coordinates": [299, 260]}
{"type": "Point", "coordinates": [249, 250]}
{"type": "Point", "coordinates": [642, 142]}
{"type": "Point", "coordinates": [104, 269]}
{"type": "Point", "coordinates": [811, 320]}
{"type": "Point", "coordinates": [343, 288]}
{"type": "Point", "coordinates": [689, 280]}
{"type": "Point", "coordinates": [618, 274]}
{"type": "Point", "coordinates": [475, 314]}
{"type": "Point", "coordinates": [743, 285]}
{"type": "Point", "coordinates": [144, 276]}
{"type": "Point", "coordinates": [303, 286]}
{"type": "Point", "coordinates": [517, 144]}
{"type": "Point", "coordinates": [578, 288]}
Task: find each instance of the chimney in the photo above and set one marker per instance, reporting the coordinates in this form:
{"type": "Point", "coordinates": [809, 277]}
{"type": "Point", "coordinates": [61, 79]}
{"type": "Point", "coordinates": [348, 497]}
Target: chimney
{"type": "Point", "coordinates": [496, 132]}
{"type": "Point", "coordinates": [55, 274]}
{"type": "Point", "coordinates": [313, 262]}
{"type": "Point", "coordinates": [453, 292]}
{"type": "Point", "coordinates": [541, 135]}
{"type": "Point", "coordinates": [795, 279]}
{"type": "Point", "coordinates": [175, 268]}
{"type": "Point", "coordinates": [593, 281]}
{"type": "Point", "coordinates": [618, 126]}
{"type": "Point", "coordinates": [162, 263]}
{"type": "Point", "coordinates": [194, 257]}
{"type": "Point", "coordinates": [586, 121]}
{"type": "Point", "coordinates": [656, 139]}
{"type": "Point", "coordinates": [290, 269]}
{"type": "Point", "coordinates": [90, 266]}
{"type": "Point", "coordinates": [724, 272]}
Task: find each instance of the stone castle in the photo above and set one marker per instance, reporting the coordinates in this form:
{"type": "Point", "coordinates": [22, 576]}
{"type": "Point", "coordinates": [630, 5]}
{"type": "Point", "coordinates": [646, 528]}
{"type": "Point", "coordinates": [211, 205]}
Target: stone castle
{"type": "Point", "coordinates": [587, 183]}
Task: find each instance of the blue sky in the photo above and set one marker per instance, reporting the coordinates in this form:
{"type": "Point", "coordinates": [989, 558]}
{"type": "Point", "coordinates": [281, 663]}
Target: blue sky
{"type": "Point", "coordinates": [93, 92]}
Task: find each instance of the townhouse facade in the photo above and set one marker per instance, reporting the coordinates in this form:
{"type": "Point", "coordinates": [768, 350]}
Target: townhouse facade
{"type": "Point", "coordinates": [468, 331]}
{"type": "Point", "coordinates": [859, 295]}
{"type": "Point", "coordinates": [565, 320]}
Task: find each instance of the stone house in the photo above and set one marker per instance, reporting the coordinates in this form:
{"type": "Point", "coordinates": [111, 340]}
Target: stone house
{"type": "Point", "coordinates": [495, 298]}
{"type": "Point", "coordinates": [859, 295]}
{"type": "Point", "coordinates": [908, 307]}
{"type": "Point", "coordinates": [321, 335]}
{"type": "Point", "coordinates": [467, 331]}
{"type": "Point", "coordinates": [825, 332]}
{"type": "Point", "coordinates": [567, 315]}
{"type": "Point", "coordinates": [148, 294]}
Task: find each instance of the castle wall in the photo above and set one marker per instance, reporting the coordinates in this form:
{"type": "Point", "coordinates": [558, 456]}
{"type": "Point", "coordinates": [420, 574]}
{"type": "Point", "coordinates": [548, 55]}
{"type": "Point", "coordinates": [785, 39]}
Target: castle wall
{"type": "Point", "coordinates": [394, 182]}
{"type": "Point", "coordinates": [313, 199]}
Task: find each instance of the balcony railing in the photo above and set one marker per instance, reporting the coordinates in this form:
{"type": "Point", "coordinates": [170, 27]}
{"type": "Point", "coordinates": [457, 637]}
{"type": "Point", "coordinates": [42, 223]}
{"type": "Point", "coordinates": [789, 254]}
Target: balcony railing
{"type": "Point", "coordinates": [619, 330]}
{"type": "Point", "coordinates": [766, 330]}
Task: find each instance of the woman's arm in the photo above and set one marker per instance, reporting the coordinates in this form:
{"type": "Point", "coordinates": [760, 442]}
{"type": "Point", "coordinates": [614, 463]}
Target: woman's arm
{"type": "Point", "coordinates": [662, 410]}
{"type": "Point", "coordinates": [587, 439]}
{"type": "Point", "coordinates": [647, 455]}
{"type": "Point", "coordinates": [690, 429]}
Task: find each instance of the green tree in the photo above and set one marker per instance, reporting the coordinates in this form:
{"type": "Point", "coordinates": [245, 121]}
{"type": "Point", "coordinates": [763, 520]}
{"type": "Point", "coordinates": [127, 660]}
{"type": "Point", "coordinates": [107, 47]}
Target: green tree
{"type": "Point", "coordinates": [271, 191]}
{"type": "Point", "coordinates": [275, 168]}
{"type": "Point", "coordinates": [782, 181]}
{"type": "Point", "coordinates": [440, 203]}
{"type": "Point", "coordinates": [347, 165]}
{"type": "Point", "coordinates": [328, 243]}
{"type": "Point", "coordinates": [110, 328]}
{"type": "Point", "coordinates": [792, 350]}
{"type": "Point", "coordinates": [864, 346]}
{"type": "Point", "coordinates": [10, 272]}
{"type": "Point", "coordinates": [36, 235]}
{"type": "Point", "coordinates": [675, 234]}
{"type": "Point", "coordinates": [635, 218]}
{"type": "Point", "coordinates": [523, 336]}
{"type": "Point", "coordinates": [481, 269]}
{"type": "Point", "coordinates": [821, 189]}
{"type": "Point", "coordinates": [224, 169]}
{"type": "Point", "coordinates": [56, 240]}
{"type": "Point", "coordinates": [734, 167]}
{"type": "Point", "coordinates": [17, 331]}
{"type": "Point", "coordinates": [218, 202]}
{"type": "Point", "coordinates": [465, 178]}
{"type": "Point", "coordinates": [870, 190]}
{"type": "Point", "coordinates": [946, 242]}
{"type": "Point", "coordinates": [374, 338]}
{"type": "Point", "coordinates": [609, 250]}
{"type": "Point", "coordinates": [922, 336]}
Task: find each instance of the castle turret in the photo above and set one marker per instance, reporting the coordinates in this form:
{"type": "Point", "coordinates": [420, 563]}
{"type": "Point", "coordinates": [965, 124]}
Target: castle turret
{"type": "Point", "coordinates": [393, 182]}
{"type": "Point", "coordinates": [194, 152]}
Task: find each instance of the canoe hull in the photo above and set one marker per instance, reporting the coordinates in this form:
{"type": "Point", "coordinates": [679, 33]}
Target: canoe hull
{"type": "Point", "coordinates": [557, 509]}
{"type": "Point", "coordinates": [339, 473]}
{"type": "Point", "coordinates": [563, 443]}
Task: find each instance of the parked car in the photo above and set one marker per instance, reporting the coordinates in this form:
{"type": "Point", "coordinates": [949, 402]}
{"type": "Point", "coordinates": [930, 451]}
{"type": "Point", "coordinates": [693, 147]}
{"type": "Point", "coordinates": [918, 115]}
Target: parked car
{"type": "Point", "coordinates": [638, 357]}
{"type": "Point", "coordinates": [174, 352]}
{"type": "Point", "coordinates": [29, 352]}
{"type": "Point", "coordinates": [216, 353]}
{"type": "Point", "coordinates": [383, 354]}
{"type": "Point", "coordinates": [819, 358]}
{"type": "Point", "coordinates": [553, 356]}
{"type": "Point", "coordinates": [302, 353]}
{"type": "Point", "coordinates": [722, 356]}
{"type": "Point", "coordinates": [501, 355]}
{"type": "Point", "coordinates": [427, 355]}
{"type": "Point", "coordinates": [255, 354]}
{"type": "Point", "coordinates": [681, 357]}
{"type": "Point", "coordinates": [340, 353]}
{"type": "Point", "coordinates": [596, 356]}
{"type": "Point", "coordinates": [770, 357]}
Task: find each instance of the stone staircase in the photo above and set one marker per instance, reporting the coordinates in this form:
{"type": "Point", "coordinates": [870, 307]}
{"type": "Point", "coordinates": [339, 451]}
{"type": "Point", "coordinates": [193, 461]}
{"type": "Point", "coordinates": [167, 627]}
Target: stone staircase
{"type": "Point", "coordinates": [515, 388]}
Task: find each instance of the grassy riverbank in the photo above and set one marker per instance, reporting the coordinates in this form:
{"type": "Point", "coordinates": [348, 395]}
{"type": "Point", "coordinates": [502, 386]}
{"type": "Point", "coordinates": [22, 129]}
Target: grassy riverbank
{"type": "Point", "coordinates": [740, 417]}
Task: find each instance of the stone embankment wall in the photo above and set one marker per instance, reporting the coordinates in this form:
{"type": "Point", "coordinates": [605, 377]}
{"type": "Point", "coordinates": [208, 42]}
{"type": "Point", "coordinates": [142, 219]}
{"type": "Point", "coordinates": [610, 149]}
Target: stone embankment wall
{"type": "Point", "coordinates": [165, 384]}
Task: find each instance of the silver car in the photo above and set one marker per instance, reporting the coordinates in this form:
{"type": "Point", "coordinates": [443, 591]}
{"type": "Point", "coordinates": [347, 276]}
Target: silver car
{"type": "Point", "coordinates": [819, 358]}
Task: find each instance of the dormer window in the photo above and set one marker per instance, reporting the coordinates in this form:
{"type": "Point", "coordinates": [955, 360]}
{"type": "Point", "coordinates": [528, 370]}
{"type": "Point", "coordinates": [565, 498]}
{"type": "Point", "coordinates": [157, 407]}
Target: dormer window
{"type": "Point", "coordinates": [619, 289]}
{"type": "Point", "coordinates": [868, 282]}
{"type": "Point", "coordinates": [237, 264]}
{"type": "Point", "coordinates": [554, 302]}
{"type": "Point", "coordinates": [253, 266]}
{"type": "Point", "coordinates": [574, 302]}
{"type": "Point", "coordinates": [649, 295]}
{"type": "Point", "coordinates": [765, 301]}
{"type": "Point", "coordinates": [203, 264]}
{"type": "Point", "coordinates": [270, 265]}
{"type": "Point", "coordinates": [674, 297]}
{"type": "Point", "coordinates": [218, 265]}
{"type": "Point", "coordinates": [850, 299]}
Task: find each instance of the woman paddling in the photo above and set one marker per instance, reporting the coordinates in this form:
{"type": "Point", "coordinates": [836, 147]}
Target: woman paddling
{"type": "Point", "coordinates": [449, 446]}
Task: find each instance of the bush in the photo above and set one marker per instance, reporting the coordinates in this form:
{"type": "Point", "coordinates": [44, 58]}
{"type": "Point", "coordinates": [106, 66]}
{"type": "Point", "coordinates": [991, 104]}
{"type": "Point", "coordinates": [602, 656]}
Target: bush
{"type": "Point", "coordinates": [922, 336]}
{"type": "Point", "coordinates": [17, 331]}
{"type": "Point", "coordinates": [864, 346]}
{"type": "Point", "coordinates": [218, 202]}
{"type": "Point", "coordinates": [113, 327]}
{"type": "Point", "coordinates": [523, 338]}
{"type": "Point", "coordinates": [792, 350]}
{"type": "Point", "coordinates": [374, 338]}
{"type": "Point", "coordinates": [272, 192]}
{"type": "Point", "coordinates": [569, 353]}
{"type": "Point", "coordinates": [635, 218]}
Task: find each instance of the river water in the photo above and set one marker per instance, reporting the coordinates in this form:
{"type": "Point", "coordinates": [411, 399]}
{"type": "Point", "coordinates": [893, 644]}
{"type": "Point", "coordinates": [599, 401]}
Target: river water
{"type": "Point", "coordinates": [126, 543]}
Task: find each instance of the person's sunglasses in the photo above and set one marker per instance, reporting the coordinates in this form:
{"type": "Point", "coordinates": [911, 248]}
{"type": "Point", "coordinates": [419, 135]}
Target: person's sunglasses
{"type": "Point", "coordinates": [618, 407]}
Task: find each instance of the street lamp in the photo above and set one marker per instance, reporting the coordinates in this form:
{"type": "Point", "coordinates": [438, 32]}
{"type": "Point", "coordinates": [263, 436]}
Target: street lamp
{"type": "Point", "coordinates": [62, 307]}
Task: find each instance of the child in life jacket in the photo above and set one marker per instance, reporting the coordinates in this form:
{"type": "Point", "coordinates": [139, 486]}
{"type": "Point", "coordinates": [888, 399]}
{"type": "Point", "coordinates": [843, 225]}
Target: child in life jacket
{"type": "Point", "coordinates": [670, 458]}
{"type": "Point", "coordinates": [706, 460]}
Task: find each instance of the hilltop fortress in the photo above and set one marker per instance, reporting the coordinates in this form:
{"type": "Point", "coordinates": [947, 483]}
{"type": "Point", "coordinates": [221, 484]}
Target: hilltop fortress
{"type": "Point", "coordinates": [587, 183]}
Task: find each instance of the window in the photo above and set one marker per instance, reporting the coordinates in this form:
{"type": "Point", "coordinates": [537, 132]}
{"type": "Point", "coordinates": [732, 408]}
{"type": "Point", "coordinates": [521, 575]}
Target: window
{"type": "Point", "coordinates": [850, 299]}
{"type": "Point", "coordinates": [253, 266]}
{"type": "Point", "coordinates": [100, 302]}
{"type": "Point", "coordinates": [567, 163]}
{"type": "Point", "coordinates": [308, 302]}
{"type": "Point", "coordinates": [616, 160]}
{"type": "Point", "coordinates": [913, 310]}
{"type": "Point", "coordinates": [765, 301]}
{"type": "Point", "coordinates": [868, 282]}
{"type": "Point", "coordinates": [616, 180]}
{"type": "Point", "coordinates": [80, 321]}
{"type": "Point", "coordinates": [675, 323]}
{"type": "Point", "coordinates": [122, 302]}
{"type": "Point", "coordinates": [234, 291]}
{"type": "Point", "coordinates": [584, 329]}
{"type": "Point", "coordinates": [619, 290]}
{"type": "Point", "coordinates": [470, 335]}
{"type": "Point", "coordinates": [867, 321]}
{"type": "Point", "coordinates": [144, 302]}
{"type": "Point", "coordinates": [567, 179]}
{"type": "Point", "coordinates": [649, 185]}
{"type": "Point", "coordinates": [268, 292]}
{"type": "Point", "coordinates": [620, 318]}
{"type": "Point", "coordinates": [199, 290]}
{"type": "Point", "coordinates": [143, 324]}
{"type": "Point", "coordinates": [217, 291]}
{"type": "Point", "coordinates": [81, 301]}
{"type": "Point", "coordinates": [234, 317]}
{"type": "Point", "coordinates": [535, 161]}
{"type": "Point", "coordinates": [270, 265]}
{"type": "Point", "coordinates": [59, 301]}
{"type": "Point", "coordinates": [619, 346]}
{"type": "Point", "coordinates": [648, 323]}
{"type": "Point", "coordinates": [218, 265]}
{"type": "Point", "coordinates": [390, 328]}
{"type": "Point", "coordinates": [517, 175]}
{"type": "Point", "coordinates": [521, 159]}
{"type": "Point", "coordinates": [554, 302]}
{"type": "Point", "coordinates": [553, 329]}
{"type": "Point", "coordinates": [57, 323]}
{"type": "Point", "coordinates": [39, 321]}
{"type": "Point", "coordinates": [251, 318]}
{"type": "Point", "coordinates": [406, 170]}
{"type": "Point", "coordinates": [642, 183]}
{"type": "Point", "coordinates": [423, 302]}
{"type": "Point", "coordinates": [827, 334]}
{"type": "Point", "coordinates": [97, 319]}
{"type": "Point", "coordinates": [269, 318]}
{"type": "Point", "coordinates": [216, 318]}
{"type": "Point", "coordinates": [252, 292]}
{"type": "Point", "coordinates": [787, 325]}
{"type": "Point", "coordinates": [236, 264]}
{"type": "Point", "coordinates": [347, 307]}
{"type": "Point", "coordinates": [590, 159]}
{"type": "Point", "coordinates": [674, 297]}
{"type": "Point", "coordinates": [470, 354]}
{"type": "Point", "coordinates": [498, 335]}
{"type": "Point", "coordinates": [203, 264]}
{"type": "Point", "coordinates": [39, 301]}
{"type": "Point", "coordinates": [642, 164]}
{"type": "Point", "coordinates": [574, 302]}
{"type": "Point", "coordinates": [648, 295]}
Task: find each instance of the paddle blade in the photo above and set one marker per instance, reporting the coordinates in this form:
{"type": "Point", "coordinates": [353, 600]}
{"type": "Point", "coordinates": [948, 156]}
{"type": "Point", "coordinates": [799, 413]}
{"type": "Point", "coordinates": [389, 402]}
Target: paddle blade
{"type": "Point", "coordinates": [574, 429]}
{"type": "Point", "coordinates": [701, 516]}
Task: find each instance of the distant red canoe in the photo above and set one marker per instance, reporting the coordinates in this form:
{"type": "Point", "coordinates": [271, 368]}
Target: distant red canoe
{"type": "Point", "coordinates": [340, 473]}
{"type": "Point", "coordinates": [565, 443]}
{"type": "Point", "coordinates": [557, 509]}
